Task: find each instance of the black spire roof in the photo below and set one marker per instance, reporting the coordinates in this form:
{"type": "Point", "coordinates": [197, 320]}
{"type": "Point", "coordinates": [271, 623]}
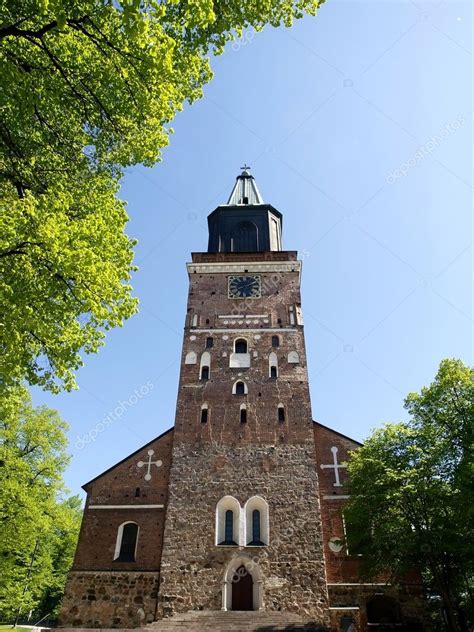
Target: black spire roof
{"type": "Point", "coordinates": [245, 223]}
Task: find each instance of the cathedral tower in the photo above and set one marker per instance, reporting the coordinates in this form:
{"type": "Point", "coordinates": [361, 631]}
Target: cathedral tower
{"type": "Point", "coordinates": [240, 505]}
{"type": "Point", "coordinates": [243, 523]}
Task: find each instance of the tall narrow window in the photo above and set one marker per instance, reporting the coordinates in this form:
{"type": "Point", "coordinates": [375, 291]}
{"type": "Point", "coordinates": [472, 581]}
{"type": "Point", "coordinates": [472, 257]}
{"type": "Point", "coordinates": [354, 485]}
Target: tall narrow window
{"type": "Point", "coordinates": [204, 414]}
{"type": "Point", "coordinates": [275, 341]}
{"type": "Point", "coordinates": [126, 542]}
{"type": "Point", "coordinates": [240, 388]}
{"type": "Point", "coordinates": [205, 365]}
{"type": "Point", "coordinates": [273, 364]}
{"type": "Point", "coordinates": [240, 346]}
{"type": "Point", "coordinates": [243, 415]}
{"type": "Point", "coordinates": [209, 343]}
{"type": "Point", "coordinates": [229, 526]}
{"type": "Point", "coordinates": [228, 522]}
{"type": "Point", "coordinates": [256, 537]}
{"type": "Point", "coordinates": [256, 522]}
{"type": "Point", "coordinates": [281, 413]}
{"type": "Point", "coordinates": [137, 492]}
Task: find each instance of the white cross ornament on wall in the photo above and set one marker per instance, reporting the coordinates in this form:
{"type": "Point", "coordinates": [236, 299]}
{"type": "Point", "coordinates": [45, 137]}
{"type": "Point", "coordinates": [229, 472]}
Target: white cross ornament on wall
{"type": "Point", "coordinates": [149, 463]}
{"type": "Point", "coordinates": [335, 466]}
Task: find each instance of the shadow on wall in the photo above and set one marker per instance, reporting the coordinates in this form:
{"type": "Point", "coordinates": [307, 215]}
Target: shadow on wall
{"type": "Point", "coordinates": [314, 627]}
{"type": "Point", "coordinates": [304, 627]}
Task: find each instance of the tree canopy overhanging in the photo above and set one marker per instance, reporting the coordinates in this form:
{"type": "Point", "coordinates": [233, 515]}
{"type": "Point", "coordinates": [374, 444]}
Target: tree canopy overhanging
{"type": "Point", "coordinates": [412, 495]}
{"type": "Point", "coordinates": [88, 88]}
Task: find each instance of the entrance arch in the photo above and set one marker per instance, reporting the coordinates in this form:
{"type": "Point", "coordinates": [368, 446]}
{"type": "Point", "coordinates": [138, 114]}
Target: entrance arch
{"type": "Point", "coordinates": [242, 589]}
{"type": "Point", "coordinates": [242, 585]}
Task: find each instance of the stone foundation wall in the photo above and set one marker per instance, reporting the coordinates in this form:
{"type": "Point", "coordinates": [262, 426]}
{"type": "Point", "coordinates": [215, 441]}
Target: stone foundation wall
{"type": "Point", "coordinates": [109, 600]}
{"type": "Point", "coordinates": [291, 567]}
{"type": "Point", "coordinates": [350, 600]}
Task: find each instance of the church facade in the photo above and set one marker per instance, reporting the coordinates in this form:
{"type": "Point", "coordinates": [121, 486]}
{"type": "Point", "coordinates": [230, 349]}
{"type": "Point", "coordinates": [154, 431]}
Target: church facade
{"type": "Point", "coordinates": [239, 505]}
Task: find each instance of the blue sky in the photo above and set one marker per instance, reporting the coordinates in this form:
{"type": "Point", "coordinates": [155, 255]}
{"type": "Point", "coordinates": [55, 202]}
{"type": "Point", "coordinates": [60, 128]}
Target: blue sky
{"type": "Point", "coordinates": [357, 127]}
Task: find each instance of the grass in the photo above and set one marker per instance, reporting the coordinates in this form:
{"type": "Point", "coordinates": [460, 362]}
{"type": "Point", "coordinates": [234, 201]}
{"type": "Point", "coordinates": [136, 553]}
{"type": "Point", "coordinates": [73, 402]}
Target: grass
{"type": "Point", "coordinates": [18, 629]}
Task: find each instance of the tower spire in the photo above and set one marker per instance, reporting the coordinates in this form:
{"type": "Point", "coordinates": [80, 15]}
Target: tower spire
{"type": "Point", "coordinates": [245, 189]}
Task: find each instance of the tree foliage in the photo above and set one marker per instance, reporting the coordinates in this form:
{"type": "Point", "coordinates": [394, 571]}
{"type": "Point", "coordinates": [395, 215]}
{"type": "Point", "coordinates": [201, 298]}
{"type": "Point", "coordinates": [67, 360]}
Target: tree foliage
{"type": "Point", "coordinates": [38, 526]}
{"type": "Point", "coordinates": [88, 88]}
{"type": "Point", "coordinates": [412, 494]}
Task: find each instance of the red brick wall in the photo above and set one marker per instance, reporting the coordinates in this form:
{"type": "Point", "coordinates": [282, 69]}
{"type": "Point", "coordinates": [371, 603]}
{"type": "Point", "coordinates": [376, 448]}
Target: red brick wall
{"type": "Point", "coordinates": [340, 567]}
{"type": "Point", "coordinates": [117, 486]}
{"type": "Point", "coordinates": [207, 301]}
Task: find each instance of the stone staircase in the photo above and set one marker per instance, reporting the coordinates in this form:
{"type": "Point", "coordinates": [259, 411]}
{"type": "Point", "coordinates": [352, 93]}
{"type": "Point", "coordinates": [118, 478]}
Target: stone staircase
{"type": "Point", "coordinates": [233, 621]}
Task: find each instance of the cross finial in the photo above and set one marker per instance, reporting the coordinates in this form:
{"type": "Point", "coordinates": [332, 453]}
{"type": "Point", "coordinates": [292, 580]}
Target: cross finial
{"type": "Point", "coordinates": [245, 167]}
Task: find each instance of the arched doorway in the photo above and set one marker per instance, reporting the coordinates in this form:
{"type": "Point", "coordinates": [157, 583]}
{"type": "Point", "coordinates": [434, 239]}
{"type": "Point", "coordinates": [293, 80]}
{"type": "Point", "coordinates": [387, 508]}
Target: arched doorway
{"type": "Point", "coordinates": [242, 589]}
{"type": "Point", "coordinates": [242, 585]}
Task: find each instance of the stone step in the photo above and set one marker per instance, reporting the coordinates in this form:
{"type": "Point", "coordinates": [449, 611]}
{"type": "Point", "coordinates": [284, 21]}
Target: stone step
{"type": "Point", "coordinates": [234, 621]}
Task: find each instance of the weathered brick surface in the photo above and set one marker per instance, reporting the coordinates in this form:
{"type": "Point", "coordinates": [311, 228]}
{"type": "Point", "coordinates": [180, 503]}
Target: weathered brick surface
{"type": "Point", "coordinates": [118, 486]}
{"type": "Point", "coordinates": [340, 567]}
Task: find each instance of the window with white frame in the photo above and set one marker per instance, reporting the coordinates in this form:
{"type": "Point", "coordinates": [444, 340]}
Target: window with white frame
{"type": "Point", "coordinates": [126, 543]}
{"type": "Point", "coordinates": [205, 367]}
{"type": "Point", "coordinates": [273, 365]}
{"type": "Point", "coordinates": [257, 531]}
{"type": "Point", "coordinates": [228, 522]}
{"type": "Point", "coordinates": [240, 388]}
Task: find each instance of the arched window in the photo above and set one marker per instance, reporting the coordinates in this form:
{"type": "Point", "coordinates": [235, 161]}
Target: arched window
{"type": "Point", "coordinates": [137, 492]}
{"type": "Point", "coordinates": [240, 388]}
{"type": "Point", "coordinates": [273, 364]}
{"type": "Point", "coordinates": [205, 366]}
{"type": "Point", "coordinates": [240, 358]}
{"type": "Point", "coordinates": [240, 346]}
{"type": "Point", "coordinates": [293, 357]}
{"type": "Point", "coordinates": [281, 413]}
{"type": "Point", "coordinates": [256, 522]}
{"type": "Point", "coordinates": [228, 522]}
{"type": "Point", "coordinates": [243, 414]}
{"type": "Point", "coordinates": [275, 341]}
{"type": "Point", "coordinates": [256, 541]}
{"type": "Point", "coordinates": [191, 358]}
{"type": "Point", "coordinates": [244, 237]}
{"type": "Point", "coordinates": [204, 413]}
{"type": "Point", "coordinates": [126, 543]}
{"type": "Point", "coordinates": [229, 528]}
{"type": "Point", "coordinates": [209, 342]}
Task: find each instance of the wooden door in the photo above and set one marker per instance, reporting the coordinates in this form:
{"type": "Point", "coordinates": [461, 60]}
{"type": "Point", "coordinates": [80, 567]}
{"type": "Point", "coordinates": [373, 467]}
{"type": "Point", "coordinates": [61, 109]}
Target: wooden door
{"type": "Point", "coordinates": [242, 590]}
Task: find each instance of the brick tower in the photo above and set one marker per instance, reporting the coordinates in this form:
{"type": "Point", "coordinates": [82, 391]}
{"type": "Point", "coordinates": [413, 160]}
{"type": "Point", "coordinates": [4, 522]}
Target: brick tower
{"type": "Point", "coordinates": [225, 510]}
{"type": "Point", "coordinates": [243, 523]}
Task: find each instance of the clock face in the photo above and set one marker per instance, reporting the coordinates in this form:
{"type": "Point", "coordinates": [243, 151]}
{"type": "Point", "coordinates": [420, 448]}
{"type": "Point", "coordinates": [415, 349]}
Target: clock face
{"type": "Point", "coordinates": [244, 287]}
